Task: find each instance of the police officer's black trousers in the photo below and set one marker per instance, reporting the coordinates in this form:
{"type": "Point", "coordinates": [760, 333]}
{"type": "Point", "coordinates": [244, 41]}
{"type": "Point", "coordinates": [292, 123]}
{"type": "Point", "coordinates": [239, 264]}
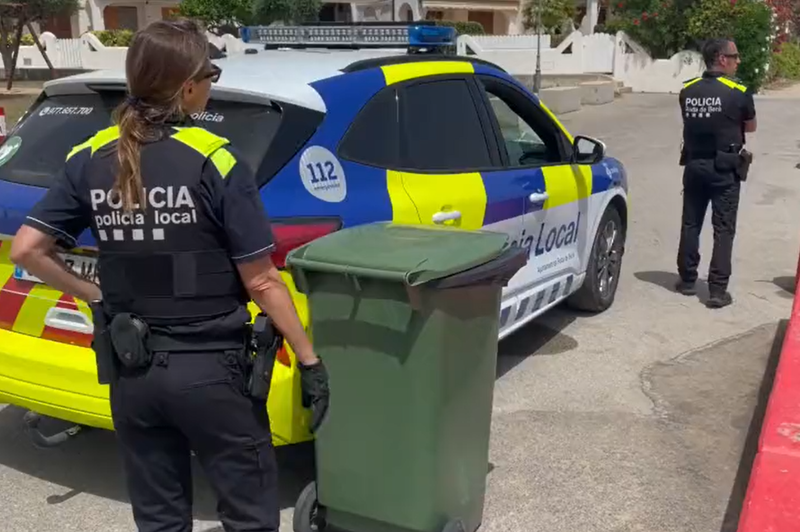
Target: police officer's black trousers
{"type": "Point", "coordinates": [195, 402]}
{"type": "Point", "coordinates": [703, 184]}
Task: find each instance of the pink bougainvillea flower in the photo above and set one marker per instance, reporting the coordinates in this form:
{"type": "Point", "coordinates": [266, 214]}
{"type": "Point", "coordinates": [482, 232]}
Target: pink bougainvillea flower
{"type": "Point", "coordinates": [636, 22]}
{"type": "Point", "coordinates": [644, 16]}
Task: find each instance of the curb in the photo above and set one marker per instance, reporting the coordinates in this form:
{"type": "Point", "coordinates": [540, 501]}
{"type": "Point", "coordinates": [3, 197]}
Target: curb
{"type": "Point", "coordinates": [772, 501]}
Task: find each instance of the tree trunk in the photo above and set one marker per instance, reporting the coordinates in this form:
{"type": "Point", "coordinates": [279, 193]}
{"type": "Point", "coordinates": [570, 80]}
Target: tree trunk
{"type": "Point", "coordinates": [6, 52]}
{"type": "Point", "coordinates": [17, 43]}
{"type": "Point", "coordinates": [41, 50]}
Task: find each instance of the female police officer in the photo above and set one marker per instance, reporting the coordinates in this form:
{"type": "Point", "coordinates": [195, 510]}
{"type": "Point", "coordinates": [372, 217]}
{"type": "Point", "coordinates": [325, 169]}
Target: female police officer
{"type": "Point", "coordinates": [176, 282]}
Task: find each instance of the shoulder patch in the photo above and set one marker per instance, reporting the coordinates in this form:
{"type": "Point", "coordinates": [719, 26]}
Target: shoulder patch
{"type": "Point", "coordinates": [224, 161]}
{"type": "Point", "coordinates": [100, 139]}
{"type": "Point", "coordinates": [732, 84]}
{"type": "Point", "coordinates": [201, 140]}
{"type": "Point", "coordinates": [689, 82]}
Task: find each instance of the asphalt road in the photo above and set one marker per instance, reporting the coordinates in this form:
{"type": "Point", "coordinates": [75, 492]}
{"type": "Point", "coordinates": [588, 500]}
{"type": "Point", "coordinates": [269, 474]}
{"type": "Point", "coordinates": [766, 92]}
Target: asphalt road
{"type": "Point", "coordinates": [633, 420]}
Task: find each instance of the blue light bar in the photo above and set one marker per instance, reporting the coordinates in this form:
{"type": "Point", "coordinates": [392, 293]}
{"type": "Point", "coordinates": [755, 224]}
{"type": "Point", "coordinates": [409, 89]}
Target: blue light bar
{"type": "Point", "coordinates": [297, 36]}
{"type": "Point", "coordinates": [372, 36]}
{"type": "Point", "coordinates": [429, 36]}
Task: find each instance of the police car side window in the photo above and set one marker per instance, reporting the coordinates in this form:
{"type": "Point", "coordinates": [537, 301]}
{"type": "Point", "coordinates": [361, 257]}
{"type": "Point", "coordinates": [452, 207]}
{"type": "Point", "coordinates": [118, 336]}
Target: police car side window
{"type": "Point", "coordinates": [441, 130]}
{"type": "Point", "coordinates": [373, 137]}
{"type": "Point", "coordinates": [529, 136]}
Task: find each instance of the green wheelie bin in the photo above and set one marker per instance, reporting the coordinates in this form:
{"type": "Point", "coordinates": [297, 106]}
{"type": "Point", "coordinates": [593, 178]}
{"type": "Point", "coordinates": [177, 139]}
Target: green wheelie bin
{"type": "Point", "coordinates": [406, 319]}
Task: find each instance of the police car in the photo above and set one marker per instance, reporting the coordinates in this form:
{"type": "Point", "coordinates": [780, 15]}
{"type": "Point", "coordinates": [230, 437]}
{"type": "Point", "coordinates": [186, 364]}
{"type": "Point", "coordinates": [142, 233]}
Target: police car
{"type": "Point", "coordinates": [343, 126]}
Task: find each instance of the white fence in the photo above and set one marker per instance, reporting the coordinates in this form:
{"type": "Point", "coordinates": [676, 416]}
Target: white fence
{"type": "Point", "coordinates": [577, 54]}
{"type": "Point", "coordinates": [598, 53]}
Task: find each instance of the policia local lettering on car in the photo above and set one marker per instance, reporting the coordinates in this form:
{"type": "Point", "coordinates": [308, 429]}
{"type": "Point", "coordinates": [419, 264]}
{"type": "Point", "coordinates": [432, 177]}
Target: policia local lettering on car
{"type": "Point", "coordinates": [550, 238]}
{"type": "Point", "coordinates": [178, 202]}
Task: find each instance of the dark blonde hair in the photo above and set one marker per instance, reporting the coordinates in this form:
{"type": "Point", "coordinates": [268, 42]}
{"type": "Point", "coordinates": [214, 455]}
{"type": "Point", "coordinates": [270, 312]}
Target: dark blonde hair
{"type": "Point", "coordinates": [161, 59]}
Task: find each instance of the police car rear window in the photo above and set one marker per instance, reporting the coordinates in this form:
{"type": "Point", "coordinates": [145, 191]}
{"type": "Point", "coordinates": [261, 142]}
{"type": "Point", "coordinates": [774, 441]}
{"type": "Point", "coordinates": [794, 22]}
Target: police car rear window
{"type": "Point", "coordinates": [36, 151]}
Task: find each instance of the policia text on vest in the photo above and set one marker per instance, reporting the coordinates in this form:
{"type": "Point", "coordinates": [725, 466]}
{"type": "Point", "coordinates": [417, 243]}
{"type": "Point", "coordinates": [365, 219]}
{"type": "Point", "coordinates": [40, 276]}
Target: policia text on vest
{"type": "Point", "coordinates": [715, 109]}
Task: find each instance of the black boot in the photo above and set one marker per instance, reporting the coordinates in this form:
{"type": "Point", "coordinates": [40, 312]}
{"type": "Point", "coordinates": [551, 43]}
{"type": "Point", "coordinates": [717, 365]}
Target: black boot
{"type": "Point", "coordinates": [686, 288]}
{"type": "Point", "coordinates": [719, 299]}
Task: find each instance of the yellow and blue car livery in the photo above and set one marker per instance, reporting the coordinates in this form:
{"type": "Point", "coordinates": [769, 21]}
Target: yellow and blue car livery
{"type": "Point", "coordinates": [309, 104]}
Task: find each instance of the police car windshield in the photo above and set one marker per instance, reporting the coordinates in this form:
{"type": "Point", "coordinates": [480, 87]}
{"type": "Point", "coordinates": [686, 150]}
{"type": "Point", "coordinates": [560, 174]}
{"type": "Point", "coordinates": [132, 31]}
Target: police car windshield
{"type": "Point", "coordinates": [36, 152]}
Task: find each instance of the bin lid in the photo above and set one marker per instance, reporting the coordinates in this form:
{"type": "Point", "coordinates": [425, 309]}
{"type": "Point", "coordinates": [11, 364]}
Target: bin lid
{"type": "Point", "coordinates": [412, 254]}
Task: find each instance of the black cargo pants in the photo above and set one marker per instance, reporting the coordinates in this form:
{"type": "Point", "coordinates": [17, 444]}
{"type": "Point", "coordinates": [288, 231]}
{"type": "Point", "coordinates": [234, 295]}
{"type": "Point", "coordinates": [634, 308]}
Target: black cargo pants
{"type": "Point", "coordinates": [195, 402]}
{"type": "Point", "coordinates": [702, 184]}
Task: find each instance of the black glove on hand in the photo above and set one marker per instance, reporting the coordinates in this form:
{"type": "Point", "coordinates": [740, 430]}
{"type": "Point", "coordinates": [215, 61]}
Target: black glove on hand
{"type": "Point", "coordinates": [314, 391]}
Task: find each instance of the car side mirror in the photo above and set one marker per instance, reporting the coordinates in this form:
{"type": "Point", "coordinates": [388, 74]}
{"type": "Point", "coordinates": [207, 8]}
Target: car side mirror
{"type": "Point", "coordinates": [587, 150]}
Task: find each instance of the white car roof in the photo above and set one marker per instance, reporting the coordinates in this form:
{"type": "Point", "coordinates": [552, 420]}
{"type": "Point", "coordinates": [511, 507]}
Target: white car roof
{"type": "Point", "coordinates": [283, 75]}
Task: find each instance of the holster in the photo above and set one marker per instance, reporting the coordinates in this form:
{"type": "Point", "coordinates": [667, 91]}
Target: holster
{"type": "Point", "coordinates": [745, 160]}
{"type": "Point", "coordinates": [106, 360]}
{"type": "Point", "coordinates": [736, 160]}
{"type": "Point", "coordinates": [129, 338]}
{"type": "Point", "coordinates": [265, 341]}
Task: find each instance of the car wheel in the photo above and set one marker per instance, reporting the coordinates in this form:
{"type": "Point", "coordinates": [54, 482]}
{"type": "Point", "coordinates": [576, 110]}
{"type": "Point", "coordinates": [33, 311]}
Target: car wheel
{"type": "Point", "coordinates": [308, 515]}
{"type": "Point", "coordinates": [605, 264]}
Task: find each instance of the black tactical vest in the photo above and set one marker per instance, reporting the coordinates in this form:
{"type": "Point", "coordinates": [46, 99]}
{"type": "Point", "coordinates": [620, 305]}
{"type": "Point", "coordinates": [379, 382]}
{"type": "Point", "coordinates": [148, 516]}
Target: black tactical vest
{"type": "Point", "coordinates": [712, 108]}
{"type": "Point", "coordinates": [167, 261]}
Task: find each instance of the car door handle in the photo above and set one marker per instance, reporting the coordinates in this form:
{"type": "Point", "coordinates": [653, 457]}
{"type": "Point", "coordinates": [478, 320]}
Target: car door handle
{"type": "Point", "coordinates": [442, 217]}
{"type": "Point", "coordinates": [538, 197]}
{"type": "Point", "coordinates": [68, 320]}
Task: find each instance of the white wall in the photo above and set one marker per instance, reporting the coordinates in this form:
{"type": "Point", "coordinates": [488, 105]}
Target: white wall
{"type": "Point", "coordinates": [517, 53]}
{"type": "Point", "coordinates": [596, 53]}
{"type": "Point", "coordinates": [634, 66]}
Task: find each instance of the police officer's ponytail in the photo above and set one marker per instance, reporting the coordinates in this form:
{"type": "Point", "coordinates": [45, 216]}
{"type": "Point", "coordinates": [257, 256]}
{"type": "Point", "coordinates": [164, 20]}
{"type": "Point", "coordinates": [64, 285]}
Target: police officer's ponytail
{"type": "Point", "coordinates": [161, 59]}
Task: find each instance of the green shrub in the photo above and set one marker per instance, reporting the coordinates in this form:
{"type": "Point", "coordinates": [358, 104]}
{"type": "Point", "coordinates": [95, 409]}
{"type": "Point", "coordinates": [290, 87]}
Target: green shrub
{"type": "Point", "coordinates": [112, 38]}
{"type": "Point", "coordinates": [752, 31]}
{"type": "Point", "coordinates": [786, 62]}
{"type": "Point", "coordinates": [555, 14]}
{"type": "Point", "coordinates": [27, 40]}
{"type": "Point", "coordinates": [464, 28]}
{"type": "Point", "coordinates": [665, 27]}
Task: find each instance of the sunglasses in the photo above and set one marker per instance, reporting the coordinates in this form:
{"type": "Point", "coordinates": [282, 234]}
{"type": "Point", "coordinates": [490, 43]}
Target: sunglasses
{"type": "Point", "coordinates": [213, 71]}
{"type": "Point", "coordinates": [731, 56]}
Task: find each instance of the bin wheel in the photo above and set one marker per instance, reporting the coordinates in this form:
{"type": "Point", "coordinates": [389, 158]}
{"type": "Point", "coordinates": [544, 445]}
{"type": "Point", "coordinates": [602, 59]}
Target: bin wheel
{"type": "Point", "coordinates": [454, 526]}
{"type": "Point", "coordinates": [308, 515]}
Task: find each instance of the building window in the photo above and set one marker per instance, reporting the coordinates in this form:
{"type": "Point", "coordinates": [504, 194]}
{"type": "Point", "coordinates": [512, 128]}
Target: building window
{"type": "Point", "coordinates": [121, 18]}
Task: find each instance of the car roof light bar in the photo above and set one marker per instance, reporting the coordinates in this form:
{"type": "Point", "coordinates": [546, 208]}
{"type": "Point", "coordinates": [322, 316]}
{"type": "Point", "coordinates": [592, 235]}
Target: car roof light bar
{"type": "Point", "coordinates": [421, 35]}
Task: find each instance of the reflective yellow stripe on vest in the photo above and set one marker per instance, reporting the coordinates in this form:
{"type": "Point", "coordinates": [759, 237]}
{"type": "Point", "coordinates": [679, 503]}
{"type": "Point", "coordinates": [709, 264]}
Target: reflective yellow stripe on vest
{"type": "Point", "coordinates": [102, 138]}
{"type": "Point", "coordinates": [209, 145]}
{"type": "Point", "coordinates": [691, 82]}
{"type": "Point", "coordinates": [732, 84]}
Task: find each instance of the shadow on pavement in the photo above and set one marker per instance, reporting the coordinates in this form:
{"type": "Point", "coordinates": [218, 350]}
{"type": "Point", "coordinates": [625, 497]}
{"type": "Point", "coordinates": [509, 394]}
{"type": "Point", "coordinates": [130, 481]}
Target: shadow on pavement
{"type": "Point", "coordinates": [90, 464]}
{"type": "Point", "coordinates": [786, 284]}
{"type": "Point", "coordinates": [665, 280]}
{"type": "Point", "coordinates": [540, 338]}
{"type": "Point", "coordinates": [668, 280]}
{"type": "Point", "coordinates": [730, 521]}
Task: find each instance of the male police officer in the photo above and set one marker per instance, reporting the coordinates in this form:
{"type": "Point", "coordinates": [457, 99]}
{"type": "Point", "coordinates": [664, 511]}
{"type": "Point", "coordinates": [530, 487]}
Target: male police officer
{"type": "Point", "coordinates": [717, 112]}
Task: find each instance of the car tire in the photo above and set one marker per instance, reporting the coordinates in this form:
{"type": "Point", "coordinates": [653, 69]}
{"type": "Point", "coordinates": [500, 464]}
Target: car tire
{"type": "Point", "coordinates": [308, 515]}
{"type": "Point", "coordinates": [605, 265]}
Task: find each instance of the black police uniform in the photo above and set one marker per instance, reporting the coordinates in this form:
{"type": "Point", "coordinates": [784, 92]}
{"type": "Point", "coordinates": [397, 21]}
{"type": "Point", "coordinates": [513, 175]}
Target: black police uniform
{"type": "Point", "coordinates": [173, 264]}
{"type": "Point", "coordinates": [714, 109]}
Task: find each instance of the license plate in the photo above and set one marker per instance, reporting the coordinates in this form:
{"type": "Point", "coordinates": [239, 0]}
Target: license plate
{"type": "Point", "coordinates": [85, 267]}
